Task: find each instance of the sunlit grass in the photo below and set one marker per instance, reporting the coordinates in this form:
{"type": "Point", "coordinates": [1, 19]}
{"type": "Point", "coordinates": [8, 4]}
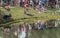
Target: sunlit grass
{"type": "Point", "coordinates": [18, 12]}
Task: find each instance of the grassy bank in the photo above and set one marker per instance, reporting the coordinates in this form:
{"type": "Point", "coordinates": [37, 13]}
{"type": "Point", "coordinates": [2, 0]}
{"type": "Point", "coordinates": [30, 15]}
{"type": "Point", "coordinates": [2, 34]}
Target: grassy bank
{"type": "Point", "coordinates": [18, 13]}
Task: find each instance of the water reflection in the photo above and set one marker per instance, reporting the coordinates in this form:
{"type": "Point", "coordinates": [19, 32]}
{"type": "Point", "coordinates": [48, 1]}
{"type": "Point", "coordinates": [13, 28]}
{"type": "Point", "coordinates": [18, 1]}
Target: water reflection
{"type": "Point", "coordinates": [45, 24]}
{"type": "Point", "coordinates": [8, 32]}
{"type": "Point", "coordinates": [24, 30]}
{"type": "Point", "coordinates": [37, 25]}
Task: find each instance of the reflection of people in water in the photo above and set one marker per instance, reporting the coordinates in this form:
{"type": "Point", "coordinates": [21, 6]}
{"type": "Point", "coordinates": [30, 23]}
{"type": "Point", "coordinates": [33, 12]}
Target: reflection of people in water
{"type": "Point", "coordinates": [6, 32]}
{"type": "Point", "coordinates": [15, 30]}
{"type": "Point", "coordinates": [23, 32]}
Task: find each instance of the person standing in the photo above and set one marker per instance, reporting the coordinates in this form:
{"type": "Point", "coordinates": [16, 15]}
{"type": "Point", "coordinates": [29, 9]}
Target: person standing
{"type": "Point", "coordinates": [7, 6]}
{"type": "Point", "coordinates": [52, 3]}
{"type": "Point", "coordinates": [25, 8]}
{"type": "Point", "coordinates": [31, 3]}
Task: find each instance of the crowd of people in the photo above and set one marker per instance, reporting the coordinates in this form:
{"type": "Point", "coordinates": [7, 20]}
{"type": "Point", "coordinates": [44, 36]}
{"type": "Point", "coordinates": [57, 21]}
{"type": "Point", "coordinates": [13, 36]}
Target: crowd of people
{"type": "Point", "coordinates": [19, 31]}
{"type": "Point", "coordinates": [43, 24]}
{"type": "Point", "coordinates": [38, 5]}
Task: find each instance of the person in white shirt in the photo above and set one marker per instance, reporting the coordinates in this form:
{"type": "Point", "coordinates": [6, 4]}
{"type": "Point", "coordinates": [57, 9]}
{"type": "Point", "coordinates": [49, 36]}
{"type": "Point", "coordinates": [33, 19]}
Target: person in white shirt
{"type": "Point", "coordinates": [31, 3]}
{"type": "Point", "coordinates": [40, 6]}
{"type": "Point", "coordinates": [23, 32]}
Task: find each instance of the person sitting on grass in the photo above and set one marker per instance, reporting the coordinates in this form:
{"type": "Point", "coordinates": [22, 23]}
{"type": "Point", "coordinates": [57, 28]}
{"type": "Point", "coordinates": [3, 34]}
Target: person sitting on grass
{"type": "Point", "coordinates": [31, 3]}
{"type": "Point", "coordinates": [37, 8]}
{"type": "Point", "coordinates": [40, 5]}
{"type": "Point", "coordinates": [25, 8]}
{"type": "Point", "coordinates": [7, 6]}
{"type": "Point", "coordinates": [43, 8]}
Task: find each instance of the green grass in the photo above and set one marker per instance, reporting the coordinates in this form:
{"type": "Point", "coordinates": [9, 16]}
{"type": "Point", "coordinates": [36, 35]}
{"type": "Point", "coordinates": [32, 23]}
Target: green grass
{"type": "Point", "coordinates": [18, 13]}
